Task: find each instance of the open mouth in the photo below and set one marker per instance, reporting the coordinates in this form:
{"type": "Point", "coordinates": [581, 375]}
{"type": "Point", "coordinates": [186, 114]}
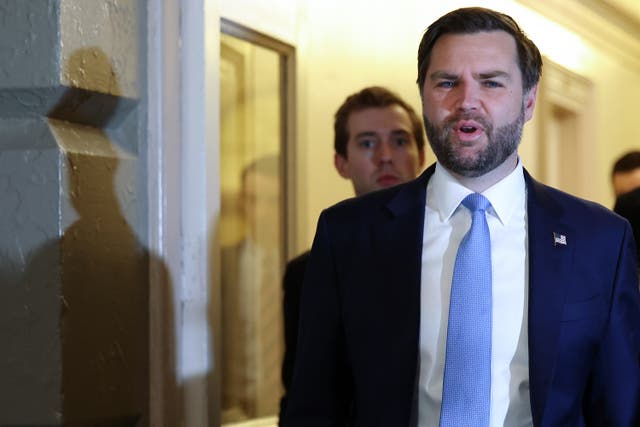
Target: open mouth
{"type": "Point", "coordinates": [468, 129]}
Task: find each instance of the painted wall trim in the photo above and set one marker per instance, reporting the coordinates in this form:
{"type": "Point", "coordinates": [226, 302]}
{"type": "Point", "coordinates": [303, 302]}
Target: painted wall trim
{"type": "Point", "coordinates": [183, 185]}
{"type": "Point", "coordinates": [604, 26]}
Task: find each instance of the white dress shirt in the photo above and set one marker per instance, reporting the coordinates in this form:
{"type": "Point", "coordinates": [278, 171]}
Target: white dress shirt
{"type": "Point", "coordinates": [446, 223]}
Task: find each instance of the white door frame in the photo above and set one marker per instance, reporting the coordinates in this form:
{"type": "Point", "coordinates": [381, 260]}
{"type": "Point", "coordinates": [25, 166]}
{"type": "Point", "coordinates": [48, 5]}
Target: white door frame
{"type": "Point", "coordinates": [184, 204]}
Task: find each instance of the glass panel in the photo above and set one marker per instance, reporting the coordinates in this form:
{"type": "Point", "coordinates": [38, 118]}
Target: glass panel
{"type": "Point", "coordinates": [250, 230]}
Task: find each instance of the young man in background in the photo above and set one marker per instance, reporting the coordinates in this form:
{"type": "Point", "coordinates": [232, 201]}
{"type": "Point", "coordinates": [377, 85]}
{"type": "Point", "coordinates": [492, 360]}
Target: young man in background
{"type": "Point", "coordinates": [379, 142]}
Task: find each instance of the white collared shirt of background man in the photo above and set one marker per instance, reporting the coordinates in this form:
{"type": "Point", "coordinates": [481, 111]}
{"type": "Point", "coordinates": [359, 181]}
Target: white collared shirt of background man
{"type": "Point", "coordinates": [446, 223]}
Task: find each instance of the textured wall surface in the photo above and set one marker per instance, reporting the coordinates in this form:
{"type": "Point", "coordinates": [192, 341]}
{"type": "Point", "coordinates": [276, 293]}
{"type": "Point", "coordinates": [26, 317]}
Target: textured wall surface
{"type": "Point", "coordinates": [109, 26]}
{"type": "Point", "coordinates": [30, 355]}
{"type": "Point", "coordinates": [73, 268]}
{"type": "Point", "coordinates": [29, 44]}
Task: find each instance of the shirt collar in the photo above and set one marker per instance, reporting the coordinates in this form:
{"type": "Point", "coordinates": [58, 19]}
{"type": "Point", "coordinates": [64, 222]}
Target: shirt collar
{"type": "Point", "coordinates": [445, 193]}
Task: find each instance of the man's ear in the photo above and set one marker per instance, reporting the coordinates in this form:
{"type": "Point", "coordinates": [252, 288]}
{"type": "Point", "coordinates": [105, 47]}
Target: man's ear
{"type": "Point", "coordinates": [342, 165]}
{"type": "Point", "coordinates": [421, 158]}
{"type": "Point", "coordinates": [530, 102]}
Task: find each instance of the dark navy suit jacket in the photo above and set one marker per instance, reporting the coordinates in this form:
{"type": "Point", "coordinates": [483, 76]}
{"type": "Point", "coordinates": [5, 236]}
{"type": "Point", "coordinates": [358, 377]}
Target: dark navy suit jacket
{"type": "Point", "coordinates": [292, 288]}
{"type": "Point", "coordinates": [358, 354]}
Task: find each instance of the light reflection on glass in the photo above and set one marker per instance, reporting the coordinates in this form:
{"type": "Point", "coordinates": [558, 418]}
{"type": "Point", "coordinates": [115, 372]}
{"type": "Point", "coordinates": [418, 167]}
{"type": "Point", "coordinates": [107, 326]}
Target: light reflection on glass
{"type": "Point", "coordinates": [251, 230]}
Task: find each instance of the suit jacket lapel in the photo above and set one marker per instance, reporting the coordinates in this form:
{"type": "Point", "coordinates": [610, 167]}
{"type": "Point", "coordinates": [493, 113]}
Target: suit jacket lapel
{"type": "Point", "coordinates": [550, 261]}
{"type": "Point", "coordinates": [397, 241]}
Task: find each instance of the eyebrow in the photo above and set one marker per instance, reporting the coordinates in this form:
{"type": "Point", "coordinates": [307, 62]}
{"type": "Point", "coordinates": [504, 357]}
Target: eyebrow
{"type": "Point", "coordinates": [443, 75]}
{"type": "Point", "coordinates": [365, 133]}
{"type": "Point", "coordinates": [493, 75]}
{"type": "Point", "coordinates": [438, 75]}
{"type": "Point", "coordinates": [398, 131]}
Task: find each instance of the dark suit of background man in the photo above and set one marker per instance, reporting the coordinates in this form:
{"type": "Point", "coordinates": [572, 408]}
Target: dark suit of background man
{"type": "Point", "coordinates": [379, 142]}
{"type": "Point", "coordinates": [565, 335]}
{"type": "Point", "coordinates": [625, 173]}
{"type": "Point", "coordinates": [625, 180]}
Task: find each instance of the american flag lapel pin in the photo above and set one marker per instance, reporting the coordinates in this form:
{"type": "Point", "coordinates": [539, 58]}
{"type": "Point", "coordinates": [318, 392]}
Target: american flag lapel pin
{"type": "Point", "coordinates": [559, 239]}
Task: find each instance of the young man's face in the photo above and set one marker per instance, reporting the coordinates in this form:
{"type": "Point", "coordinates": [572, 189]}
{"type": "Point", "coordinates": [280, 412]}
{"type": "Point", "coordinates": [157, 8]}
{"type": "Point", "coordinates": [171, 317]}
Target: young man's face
{"type": "Point", "coordinates": [381, 151]}
{"type": "Point", "coordinates": [473, 102]}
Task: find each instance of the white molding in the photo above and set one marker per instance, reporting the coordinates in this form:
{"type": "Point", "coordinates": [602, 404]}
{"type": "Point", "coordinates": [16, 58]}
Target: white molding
{"type": "Point", "coordinates": [277, 18]}
{"type": "Point", "coordinates": [163, 136]}
{"type": "Point", "coordinates": [200, 192]}
{"type": "Point", "coordinates": [575, 149]}
{"type": "Point", "coordinates": [601, 24]}
{"type": "Point", "coordinates": [183, 185]}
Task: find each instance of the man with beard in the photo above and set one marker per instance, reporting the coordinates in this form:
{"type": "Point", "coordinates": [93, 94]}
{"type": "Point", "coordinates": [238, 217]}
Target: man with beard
{"type": "Point", "coordinates": [473, 296]}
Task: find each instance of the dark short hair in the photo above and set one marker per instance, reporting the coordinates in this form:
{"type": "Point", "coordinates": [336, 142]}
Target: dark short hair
{"type": "Point", "coordinates": [371, 97]}
{"type": "Point", "coordinates": [472, 20]}
{"type": "Point", "coordinates": [628, 206]}
{"type": "Point", "coordinates": [626, 163]}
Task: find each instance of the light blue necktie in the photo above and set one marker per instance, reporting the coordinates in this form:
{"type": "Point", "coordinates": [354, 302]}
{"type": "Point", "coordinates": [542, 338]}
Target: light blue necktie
{"type": "Point", "coordinates": [466, 392]}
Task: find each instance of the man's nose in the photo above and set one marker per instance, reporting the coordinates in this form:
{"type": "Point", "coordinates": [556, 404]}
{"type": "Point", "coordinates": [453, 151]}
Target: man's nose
{"type": "Point", "coordinates": [468, 96]}
{"type": "Point", "coordinates": [383, 152]}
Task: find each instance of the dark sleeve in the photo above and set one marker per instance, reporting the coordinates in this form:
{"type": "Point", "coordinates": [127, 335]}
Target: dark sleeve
{"type": "Point", "coordinates": [292, 285]}
{"type": "Point", "coordinates": [615, 387]}
{"type": "Point", "coordinates": [316, 397]}
{"type": "Point", "coordinates": [628, 206]}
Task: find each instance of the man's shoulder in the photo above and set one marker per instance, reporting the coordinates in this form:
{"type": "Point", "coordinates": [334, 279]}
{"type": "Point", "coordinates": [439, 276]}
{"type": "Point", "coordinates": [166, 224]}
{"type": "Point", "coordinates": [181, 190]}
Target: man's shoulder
{"type": "Point", "coordinates": [367, 205]}
{"type": "Point", "coordinates": [366, 202]}
{"type": "Point", "coordinates": [299, 263]}
{"type": "Point", "coordinates": [560, 203]}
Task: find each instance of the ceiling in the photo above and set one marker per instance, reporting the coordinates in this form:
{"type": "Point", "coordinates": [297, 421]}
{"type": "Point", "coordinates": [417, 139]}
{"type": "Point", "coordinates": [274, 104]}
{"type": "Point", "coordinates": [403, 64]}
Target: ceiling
{"type": "Point", "coordinates": [582, 16]}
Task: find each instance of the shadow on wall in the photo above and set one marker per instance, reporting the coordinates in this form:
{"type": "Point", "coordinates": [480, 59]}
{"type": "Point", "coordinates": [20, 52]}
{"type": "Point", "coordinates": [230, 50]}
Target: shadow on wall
{"type": "Point", "coordinates": [102, 267]}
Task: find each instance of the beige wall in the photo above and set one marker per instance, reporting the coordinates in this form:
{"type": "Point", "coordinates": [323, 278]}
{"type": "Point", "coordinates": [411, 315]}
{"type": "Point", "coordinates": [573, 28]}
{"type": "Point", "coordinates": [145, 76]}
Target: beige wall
{"type": "Point", "coordinates": [617, 92]}
{"type": "Point", "coordinates": [609, 57]}
{"type": "Point", "coordinates": [343, 45]}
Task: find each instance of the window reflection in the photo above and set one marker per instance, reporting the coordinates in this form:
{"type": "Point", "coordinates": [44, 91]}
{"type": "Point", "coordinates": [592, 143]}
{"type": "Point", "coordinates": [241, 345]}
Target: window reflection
{"type": "Point", "coordinates": [251, 230]}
